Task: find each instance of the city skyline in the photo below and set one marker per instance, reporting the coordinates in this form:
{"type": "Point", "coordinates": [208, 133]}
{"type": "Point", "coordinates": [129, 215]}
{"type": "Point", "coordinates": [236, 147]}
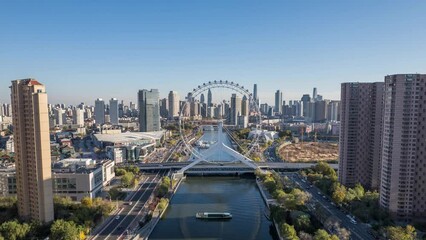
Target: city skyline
{"type": "Point", "coordinates": [247, 43]}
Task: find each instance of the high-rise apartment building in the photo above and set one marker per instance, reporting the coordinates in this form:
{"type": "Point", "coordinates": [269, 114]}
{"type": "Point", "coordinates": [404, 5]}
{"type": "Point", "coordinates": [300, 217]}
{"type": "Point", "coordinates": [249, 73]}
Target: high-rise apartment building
{"type": "Point", "coordinates": [403, 173]}
{"type": "Point", "coordinates": [99, 111]}
{"type": "Point", "coordinates": [333, 111]}
{"type": "Point", "coordinates": [32, 150]}
{"type": "Point", "coordinates": [78, 116]}
{"type": "Point", "coordinates": [113, 111]}
{"type": "Point", "coordinates": [235, 109]}
{"type": "Point", "coordinates": [278, 102]}
{"type": "Point", "coordinates": [60, 117]}
{"type": "Point", "coordinates": [173, 104]}
{"type": "Point", "coordinates": [149, 110]}
{"type": "Point", "coordinates": [360, 134]}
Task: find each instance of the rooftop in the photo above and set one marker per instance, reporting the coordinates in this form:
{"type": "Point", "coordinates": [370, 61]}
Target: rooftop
{"type": "Point", "coordinates": [129, 136]}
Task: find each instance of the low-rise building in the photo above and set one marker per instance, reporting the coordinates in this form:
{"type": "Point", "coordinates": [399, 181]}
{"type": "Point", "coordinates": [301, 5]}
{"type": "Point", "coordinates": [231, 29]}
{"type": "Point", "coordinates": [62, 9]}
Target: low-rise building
{"type": "Point", "coordinates": [7, 180]}
{"type": "Point", "coordinates": [129, 146]}
{"type": "Point", "coordinates": [78, 178]}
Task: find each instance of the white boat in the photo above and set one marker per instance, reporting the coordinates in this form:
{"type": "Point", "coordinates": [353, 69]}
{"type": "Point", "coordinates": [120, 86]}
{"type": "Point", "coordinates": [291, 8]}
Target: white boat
{"type": "Point", "coordinates": [213, 215]}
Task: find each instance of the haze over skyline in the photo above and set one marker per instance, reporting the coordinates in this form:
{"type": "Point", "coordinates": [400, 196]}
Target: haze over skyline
{"type": "Point", "coordinates": [83, 50]}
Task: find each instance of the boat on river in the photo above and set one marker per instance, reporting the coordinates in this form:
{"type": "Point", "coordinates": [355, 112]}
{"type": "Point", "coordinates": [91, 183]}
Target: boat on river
{"type": "Point", "coordinates": [213, 215]}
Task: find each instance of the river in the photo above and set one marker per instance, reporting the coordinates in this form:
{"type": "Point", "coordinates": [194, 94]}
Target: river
{"type": "Point", "coordinates": [239, 196]}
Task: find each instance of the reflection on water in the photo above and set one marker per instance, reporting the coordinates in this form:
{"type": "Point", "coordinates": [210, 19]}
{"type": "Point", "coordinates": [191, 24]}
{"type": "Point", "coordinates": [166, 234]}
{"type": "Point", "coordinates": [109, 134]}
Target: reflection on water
{"type": "Point", "coordinates": [212, 137]}
{"type": "Point", "coordinates": [240, 197]}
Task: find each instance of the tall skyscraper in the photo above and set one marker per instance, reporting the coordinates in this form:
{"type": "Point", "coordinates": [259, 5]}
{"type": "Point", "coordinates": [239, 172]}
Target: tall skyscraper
{"type": "Point", "coordinates": [245, 106]}
{"type": "Point", "coordinates": [403, 174]}
{"type": "Point", "coordinates": [235, 109]}
{"type": "Point", "coordinates": [360, 134]}
{"type": "Point", "coordinates": [209, 98]}
{"type": "Point", "coordinates": [202, 100]}
{"type": "Point", "coordinates": [314, 94]}
{"type": "Point", "coordinates": [173, 104]}
{"type": "Point", "coordinates": [149, 110]}
{"type": "Point", "coordinates": [255, 92]}
{"type": "Point", "coordinates": [113, 111]}
{"type": "Point", "coordinates": [99, 111]}
{"type": "Point", "coordinates": [278, 102]}
{"type": "Point", "coordinates": [32, 150]}
{"type": "Point", "coordinates": [164, 108]}
{"type": "Point", "coordinates": [306, 99]}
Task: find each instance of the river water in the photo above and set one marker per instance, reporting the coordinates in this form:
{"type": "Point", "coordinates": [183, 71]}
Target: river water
{"type": "Point", "coordinates": [238, 196]}
{"type": "Point", "coordinates": [212, 137]}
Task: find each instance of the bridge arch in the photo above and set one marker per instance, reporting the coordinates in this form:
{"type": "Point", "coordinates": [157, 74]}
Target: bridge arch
{"type": "Point", "coordinates": [255, 115]}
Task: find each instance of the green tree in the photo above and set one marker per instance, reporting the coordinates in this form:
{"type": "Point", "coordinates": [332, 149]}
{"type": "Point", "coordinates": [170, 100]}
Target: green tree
{"type": "Point", "coordinates": [325, 169]}
{"type": "Point", "coordinates": [300, 196]}
{"type": "Point", "coordinates": [288, 232]}
{"type": "Point", "coordinates": [120, 172]}
{"type": "Point", "coordinates": [162, 204]}
{"type": "Point", "coordinates": [401, 233]}
{"type": "Point", "coordinates": [65, 230]}
{"type": "Point", "coordinates": [166, 181]}
{"type": "Point", "coordinates": [359, 191]}
{"type": "Point", "coordinates": [303, 223]}
{"type": "Point", "coordinates": [321, 234]}
{"type": "Point", "coordinates": [127, 179]}
{"type": "Point", "coordinates": [13, 230]}
{"type": "Point", "coordinates": [270, 184]}
{"type": "Point", "coordinates": [133, 169]}
{"type": "Point", "coordinates": [86, 201]}
{"type": "Point", "coordinates": [339, 192]}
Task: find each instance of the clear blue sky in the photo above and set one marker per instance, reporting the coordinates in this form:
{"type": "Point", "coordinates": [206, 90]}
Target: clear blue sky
{"type": "Point", "coordinates": [82, 50]}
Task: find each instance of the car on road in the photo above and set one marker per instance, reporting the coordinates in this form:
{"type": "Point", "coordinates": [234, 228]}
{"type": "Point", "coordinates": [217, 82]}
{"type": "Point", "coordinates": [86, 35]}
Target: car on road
{"type": "Point", "coordinates": [118, 217]}
{"type": "Point", "coordinates": [130, 203]}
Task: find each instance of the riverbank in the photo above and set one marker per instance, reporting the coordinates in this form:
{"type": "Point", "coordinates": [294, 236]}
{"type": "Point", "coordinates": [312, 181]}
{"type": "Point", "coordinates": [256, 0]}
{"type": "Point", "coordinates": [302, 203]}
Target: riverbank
{"type": "Point", "coordinates": [268, 199]}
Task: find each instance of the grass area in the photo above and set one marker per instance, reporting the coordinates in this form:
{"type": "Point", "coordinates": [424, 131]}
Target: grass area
{"type": "Point", "coordinates": [309, 152]}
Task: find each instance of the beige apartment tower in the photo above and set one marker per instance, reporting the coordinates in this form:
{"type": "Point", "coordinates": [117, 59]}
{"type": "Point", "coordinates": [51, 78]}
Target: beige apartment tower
{"type": "Point", "coordinates": [32, 149]}
{"type": "Point", "coordinates": [403, 175]}
{"type": "Point", "coordinates": [360, 134]}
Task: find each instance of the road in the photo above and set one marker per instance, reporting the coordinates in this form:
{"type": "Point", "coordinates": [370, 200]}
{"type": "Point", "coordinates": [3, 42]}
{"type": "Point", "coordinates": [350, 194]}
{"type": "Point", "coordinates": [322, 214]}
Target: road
{"type": "Point", "coordinates": [270, 154]}
{"type": "Point", "coordinates": [126, 219]}
{"type": "Point", "coordinates": [358, 230]}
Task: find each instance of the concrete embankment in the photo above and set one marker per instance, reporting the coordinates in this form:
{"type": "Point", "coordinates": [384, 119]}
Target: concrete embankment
{"type": "Point", "coordinates": [267, 202]}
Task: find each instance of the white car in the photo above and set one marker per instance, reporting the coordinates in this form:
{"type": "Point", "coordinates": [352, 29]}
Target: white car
{"type": "Point", "coordinates": [118, 217]}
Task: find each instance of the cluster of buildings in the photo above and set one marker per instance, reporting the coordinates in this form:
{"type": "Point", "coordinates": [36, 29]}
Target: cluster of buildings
{"type": "Point", "coordinates": [308, 109]}
{"type": "Point", "coordinates": [84, 115]}
{"type": "Point", "coordinates": [152, 109]}
{"type": "Point", "coordinates": [382, 141]}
